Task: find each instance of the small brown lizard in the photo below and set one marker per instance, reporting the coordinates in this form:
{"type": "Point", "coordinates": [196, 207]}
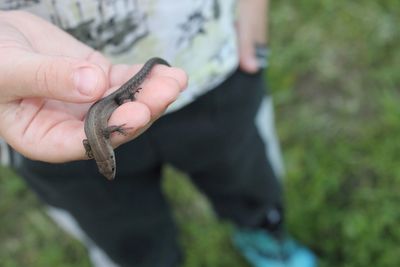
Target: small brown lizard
{"type": "Point", "coordinates": [98, 133]}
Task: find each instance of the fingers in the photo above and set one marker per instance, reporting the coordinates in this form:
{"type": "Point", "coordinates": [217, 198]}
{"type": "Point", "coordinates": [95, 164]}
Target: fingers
{"type": "Point", "coordinates": [158, 91]}
{"type": "Point", "coordinates": [158, 94]}
{"type": "Point", "coordinates": [160, 88]}
{"type": "Point", "coordinates": [155, 96]}
{"type": "Point", "coordinates": [26, 74]}
{"type": "Point", "coordinates": [121, 73]}
{"type": "Point", "coordinates": [136, 118]}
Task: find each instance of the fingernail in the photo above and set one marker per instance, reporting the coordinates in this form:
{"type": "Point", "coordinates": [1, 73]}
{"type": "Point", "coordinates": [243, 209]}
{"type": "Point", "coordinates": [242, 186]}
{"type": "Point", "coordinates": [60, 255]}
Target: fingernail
{"type": "Point", "coordinates": [86, 80]}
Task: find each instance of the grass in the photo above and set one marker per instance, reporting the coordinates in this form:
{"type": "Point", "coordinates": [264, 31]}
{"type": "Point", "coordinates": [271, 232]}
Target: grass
{"type": "Point", "coordinates": [335, 80]}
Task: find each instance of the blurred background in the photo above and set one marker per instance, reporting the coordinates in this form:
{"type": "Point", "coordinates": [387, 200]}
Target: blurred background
{"type": "Point", "coordinates": [335, 77]}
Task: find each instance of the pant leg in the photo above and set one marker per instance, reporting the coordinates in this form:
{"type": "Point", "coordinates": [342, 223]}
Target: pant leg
{"type": "Point", "coordinates": [228, 149]}
{"type": "Point", "coordinates": [125, 222]}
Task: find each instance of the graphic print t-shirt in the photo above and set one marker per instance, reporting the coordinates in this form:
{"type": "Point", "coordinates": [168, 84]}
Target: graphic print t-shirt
{"type": "Point", "coordinates": [196, 35]}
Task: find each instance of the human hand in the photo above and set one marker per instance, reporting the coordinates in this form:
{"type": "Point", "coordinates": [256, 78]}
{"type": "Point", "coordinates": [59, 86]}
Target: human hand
{"type": "Point", "coordinates": [48, 81]}
{"type": "Point", "coordinates": [251, 28]}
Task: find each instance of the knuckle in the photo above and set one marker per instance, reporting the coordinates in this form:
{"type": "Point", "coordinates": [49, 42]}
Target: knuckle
{"type": "Point", "coordinates": [49, 77]}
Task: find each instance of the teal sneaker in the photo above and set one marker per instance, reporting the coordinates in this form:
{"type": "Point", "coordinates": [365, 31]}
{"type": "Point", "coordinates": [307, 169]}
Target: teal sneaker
{"type": "Point", "coordinates": [261, 249]}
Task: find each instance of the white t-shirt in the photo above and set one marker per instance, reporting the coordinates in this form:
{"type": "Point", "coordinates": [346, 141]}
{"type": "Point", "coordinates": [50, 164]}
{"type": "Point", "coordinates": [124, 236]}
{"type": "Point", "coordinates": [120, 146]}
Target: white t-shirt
{"type": "Point", "coordinates": [197, 35]}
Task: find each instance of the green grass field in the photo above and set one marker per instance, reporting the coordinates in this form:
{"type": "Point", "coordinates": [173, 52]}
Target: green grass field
{"type": "Point", "coordinates": [335, 77]}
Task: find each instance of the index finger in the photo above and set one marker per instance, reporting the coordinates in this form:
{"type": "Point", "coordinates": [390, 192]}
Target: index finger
{"type": "Point", "coordinates": [119, 74]}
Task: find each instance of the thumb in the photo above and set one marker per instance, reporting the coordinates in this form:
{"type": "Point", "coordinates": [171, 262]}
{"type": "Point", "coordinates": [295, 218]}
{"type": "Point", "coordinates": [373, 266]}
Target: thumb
{"type": "Point", "coordinates": [56, 77]}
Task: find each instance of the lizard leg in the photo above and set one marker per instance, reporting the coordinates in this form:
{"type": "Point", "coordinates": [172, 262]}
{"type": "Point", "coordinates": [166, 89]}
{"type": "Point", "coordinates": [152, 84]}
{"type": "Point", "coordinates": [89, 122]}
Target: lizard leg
{"type": "Point", "coordinates": [127, 95]}
{"type": "Point", "coordinates": [133, 92]}
{"type": "Point", "coordinates": [115, 128]}
{"type": "Point", "coordinates": [86, 145]}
